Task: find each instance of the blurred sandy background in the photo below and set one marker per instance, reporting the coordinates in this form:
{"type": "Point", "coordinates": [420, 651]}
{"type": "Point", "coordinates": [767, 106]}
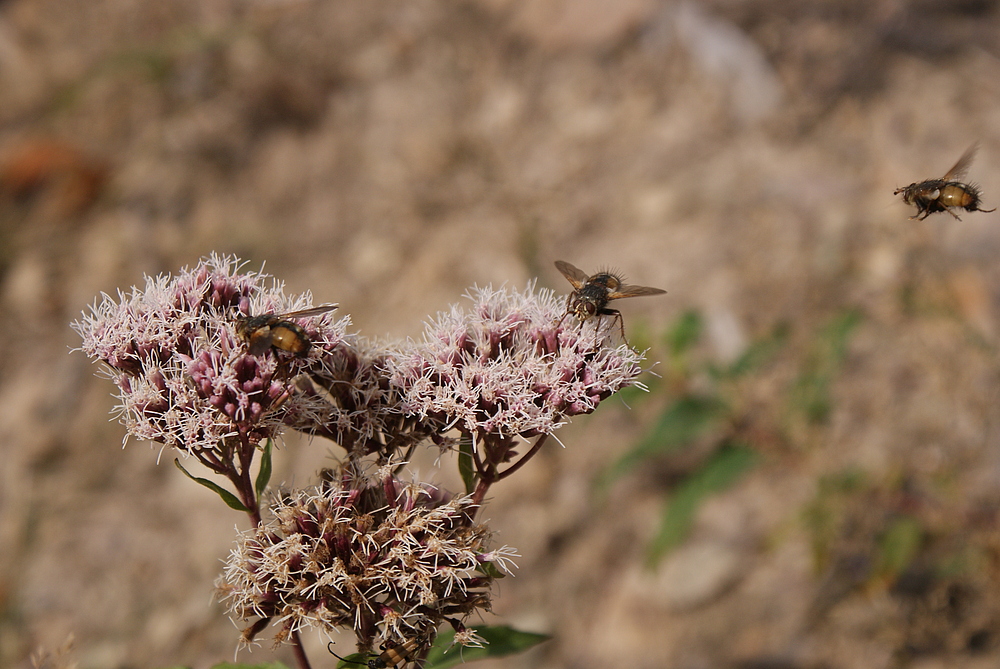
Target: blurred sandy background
{"type": "Point", "coordinates": [387, 155]}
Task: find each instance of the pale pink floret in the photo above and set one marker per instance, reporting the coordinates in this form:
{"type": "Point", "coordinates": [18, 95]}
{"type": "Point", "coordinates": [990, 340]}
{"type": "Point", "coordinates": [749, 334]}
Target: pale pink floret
{"type": "Point", "coordinates": [510, 364]}
{"type": "Point", "coordinates": [185, 379]}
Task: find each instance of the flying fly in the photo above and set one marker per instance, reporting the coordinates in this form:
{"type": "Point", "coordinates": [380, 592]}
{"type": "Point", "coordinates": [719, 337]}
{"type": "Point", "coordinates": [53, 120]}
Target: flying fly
{"type": "Point", "coordinates": [593, 292]}
{"type": "Point", "coordinates": [946, 193]}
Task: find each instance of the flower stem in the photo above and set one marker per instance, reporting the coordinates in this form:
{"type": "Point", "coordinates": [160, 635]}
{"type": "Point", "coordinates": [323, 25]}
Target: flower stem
{"type": "Point", "coordinates": [524, 458]}
{"type": "Point", "coordinates": [300, 654]}
{"type": "Point", "coordinates": [478, 496]}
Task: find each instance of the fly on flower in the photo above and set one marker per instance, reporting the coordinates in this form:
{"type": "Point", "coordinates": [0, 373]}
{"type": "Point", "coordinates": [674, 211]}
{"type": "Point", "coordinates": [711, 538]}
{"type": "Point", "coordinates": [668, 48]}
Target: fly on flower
{"type": "Point", "coordinates": [942, 194]}
{"type": "Point", "coordinates": [278, 331]}
{"type": "Point", "coordinates": [390, 657]}
{"type": "Point", "coordinates": [593, 292]}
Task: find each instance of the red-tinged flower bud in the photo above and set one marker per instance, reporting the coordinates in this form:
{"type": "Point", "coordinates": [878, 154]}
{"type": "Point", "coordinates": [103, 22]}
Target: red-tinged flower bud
{"type": "Point", "coordinates": [172, 350]}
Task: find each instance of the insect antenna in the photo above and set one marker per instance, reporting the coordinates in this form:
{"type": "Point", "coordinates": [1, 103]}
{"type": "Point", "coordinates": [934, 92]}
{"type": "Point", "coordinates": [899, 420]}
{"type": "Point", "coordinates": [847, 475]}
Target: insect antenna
{"type": "Point", "coordinates": [343, 659]}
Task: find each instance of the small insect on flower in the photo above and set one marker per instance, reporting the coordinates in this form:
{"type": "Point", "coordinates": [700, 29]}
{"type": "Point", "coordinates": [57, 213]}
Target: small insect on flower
{"type": "Point", "coordinates": [390, 657]}
{"type": "Point", "coordinates": [942, 194]}
{"type": "Point", "coordinates": [593, 293]}
{"type": "Point", "coordinates": [276, 330]}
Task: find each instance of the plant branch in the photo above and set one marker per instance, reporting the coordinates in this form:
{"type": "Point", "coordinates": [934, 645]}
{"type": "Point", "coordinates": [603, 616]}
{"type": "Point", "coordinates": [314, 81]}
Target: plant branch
{"type": "Point", "coordinates": [524, 458]}
{"type": "Point", "coordinates": [299, 651]}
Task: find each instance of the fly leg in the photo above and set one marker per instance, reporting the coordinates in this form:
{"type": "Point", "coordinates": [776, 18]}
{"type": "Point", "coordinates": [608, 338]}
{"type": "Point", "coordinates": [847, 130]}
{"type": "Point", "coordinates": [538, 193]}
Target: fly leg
{"type": "Point", "coordinates": [615, 314]}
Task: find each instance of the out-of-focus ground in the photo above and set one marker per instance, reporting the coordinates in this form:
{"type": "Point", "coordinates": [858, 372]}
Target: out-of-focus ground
{"type": "Point", "coordinates": [387, 156]}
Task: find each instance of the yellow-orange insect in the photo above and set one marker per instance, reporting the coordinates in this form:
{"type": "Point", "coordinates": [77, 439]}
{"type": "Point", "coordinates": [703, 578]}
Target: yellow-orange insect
{"type": "Point", "coordinates": [276, 330]}
{"type": "Point", "coordinates": [947, 193]}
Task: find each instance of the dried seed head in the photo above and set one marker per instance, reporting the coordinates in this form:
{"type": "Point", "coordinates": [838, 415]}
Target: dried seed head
{"type": "Point", "coordinates": [391, 562]}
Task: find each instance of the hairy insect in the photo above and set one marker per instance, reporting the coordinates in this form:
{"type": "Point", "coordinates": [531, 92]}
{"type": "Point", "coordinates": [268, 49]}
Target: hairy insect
{"type": "Point", "coordinates": [276, 331]}
{"type": "Point", "coordinates": [948, 192]}
{"type": "Point", "coordinates": [593, 292]}
{"type": "Point", "coordinates": [390, 657]}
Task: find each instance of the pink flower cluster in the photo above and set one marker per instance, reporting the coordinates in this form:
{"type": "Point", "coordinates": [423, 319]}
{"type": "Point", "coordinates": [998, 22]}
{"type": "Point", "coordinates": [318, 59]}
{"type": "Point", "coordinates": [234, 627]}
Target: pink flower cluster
{"type": "Point", "coordinates": [185, 379]}
{"type": "Point", "coordinates": [359, 408]}
{"type": "Point", "coordinates": [511, 365]}
{"type": "Point", "coordinates": [390, 560]}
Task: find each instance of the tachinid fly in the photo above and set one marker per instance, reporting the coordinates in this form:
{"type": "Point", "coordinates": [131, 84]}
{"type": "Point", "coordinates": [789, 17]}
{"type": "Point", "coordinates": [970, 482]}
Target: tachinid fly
{"type": "Point", "coordinates": [946, 193]}
{"type": "Point", "coordinates": [276, 330]}
{"type": "Point", "coordinates": [593, 292]}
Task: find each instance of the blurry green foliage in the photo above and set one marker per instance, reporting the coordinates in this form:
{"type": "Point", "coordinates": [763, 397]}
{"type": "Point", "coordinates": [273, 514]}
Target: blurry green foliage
{"type": "Point", "coordinates": [853, 516]}
{"type": "Point", "coordinates": [264, 473]}
{"type": "Point", "coordinates": [707, 402]}
{"type": "Point", "coordinates": [755, 357]}
{"type": "Point", "coordinates": [501, 640]}
{"type": "Point", "coordinates": [240, 665]}
{"type": "Point", "coordinates": [688, 418]}
{"type": "Point", "coordinates": [719, 472]}
{"type": "Point", "coordinates": [684, 334]}
{"type": "Point", "coordinates": [811, 392]}
{"type": "Point", "coordinates": [898, 547]}
{"type": "Point", "coordinates": [822, 515]}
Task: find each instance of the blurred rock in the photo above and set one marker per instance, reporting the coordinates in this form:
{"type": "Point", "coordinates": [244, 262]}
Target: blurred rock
{"type": "Point", "coordinates": [972, 297]}
{"type": "Point", "coordinates": [19, 79]}
{"type": "Point", "coordinates": [722, 53]}
{"type": "Point", "coordinates": [556, 24]}
{"type": "Point", "coordinates": [691, 576]}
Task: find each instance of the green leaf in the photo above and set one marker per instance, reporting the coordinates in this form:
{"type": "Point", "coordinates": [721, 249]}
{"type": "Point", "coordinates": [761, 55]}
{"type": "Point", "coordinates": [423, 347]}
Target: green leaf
{"type": "Point", "coordinates": [491, 570]}
{"type": "Point", "coordinates": [466, 468]}
{"type": "Point", "coordinates": [811, 392]}
{"type": "Point", "coordinates": [821, 515]}
{"type": "Point", "coordinates": [634, 396]}
{"type": "Point", "coordinates": [264, 474]}
{"type": "Point", "coordinates": [684, 421]}
{"type": "Point", "coordinates": [502, 640]}
{"type": "Point", "coordinates": [718, 473]}
{"type": "Point", "coordinates": [837, 334]}
{"type": "Point", "coordinates": [899, 546]}
{"type": "Point", "coordinates": [353, 660]}
{"type": "Point", "coordinates": [684, 333]}
{"type": "Point", "coordinates": [639, 336]}
{"type": "Point", "coordinates": [757, 354]}
{"type": "Point", "coordinates": [229, 498]}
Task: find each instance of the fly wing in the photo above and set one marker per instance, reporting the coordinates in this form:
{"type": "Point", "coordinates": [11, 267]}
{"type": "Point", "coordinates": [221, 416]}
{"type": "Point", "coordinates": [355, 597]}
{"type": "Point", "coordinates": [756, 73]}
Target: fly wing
{"type": "Point", "coordinates": [957, 172]}
{"type": "Point", "coordinates": [256, 345]}
{"type": "Point", "coordinates": [574, 275]}
{"type": "Point", "coordinates": [634, 291]}
{"type": "Point", "coordinates": [312, 311]}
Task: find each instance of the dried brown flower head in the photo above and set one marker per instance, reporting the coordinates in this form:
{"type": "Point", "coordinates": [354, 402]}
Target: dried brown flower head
{"type": "Point", "coordinates": [391, 561]}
